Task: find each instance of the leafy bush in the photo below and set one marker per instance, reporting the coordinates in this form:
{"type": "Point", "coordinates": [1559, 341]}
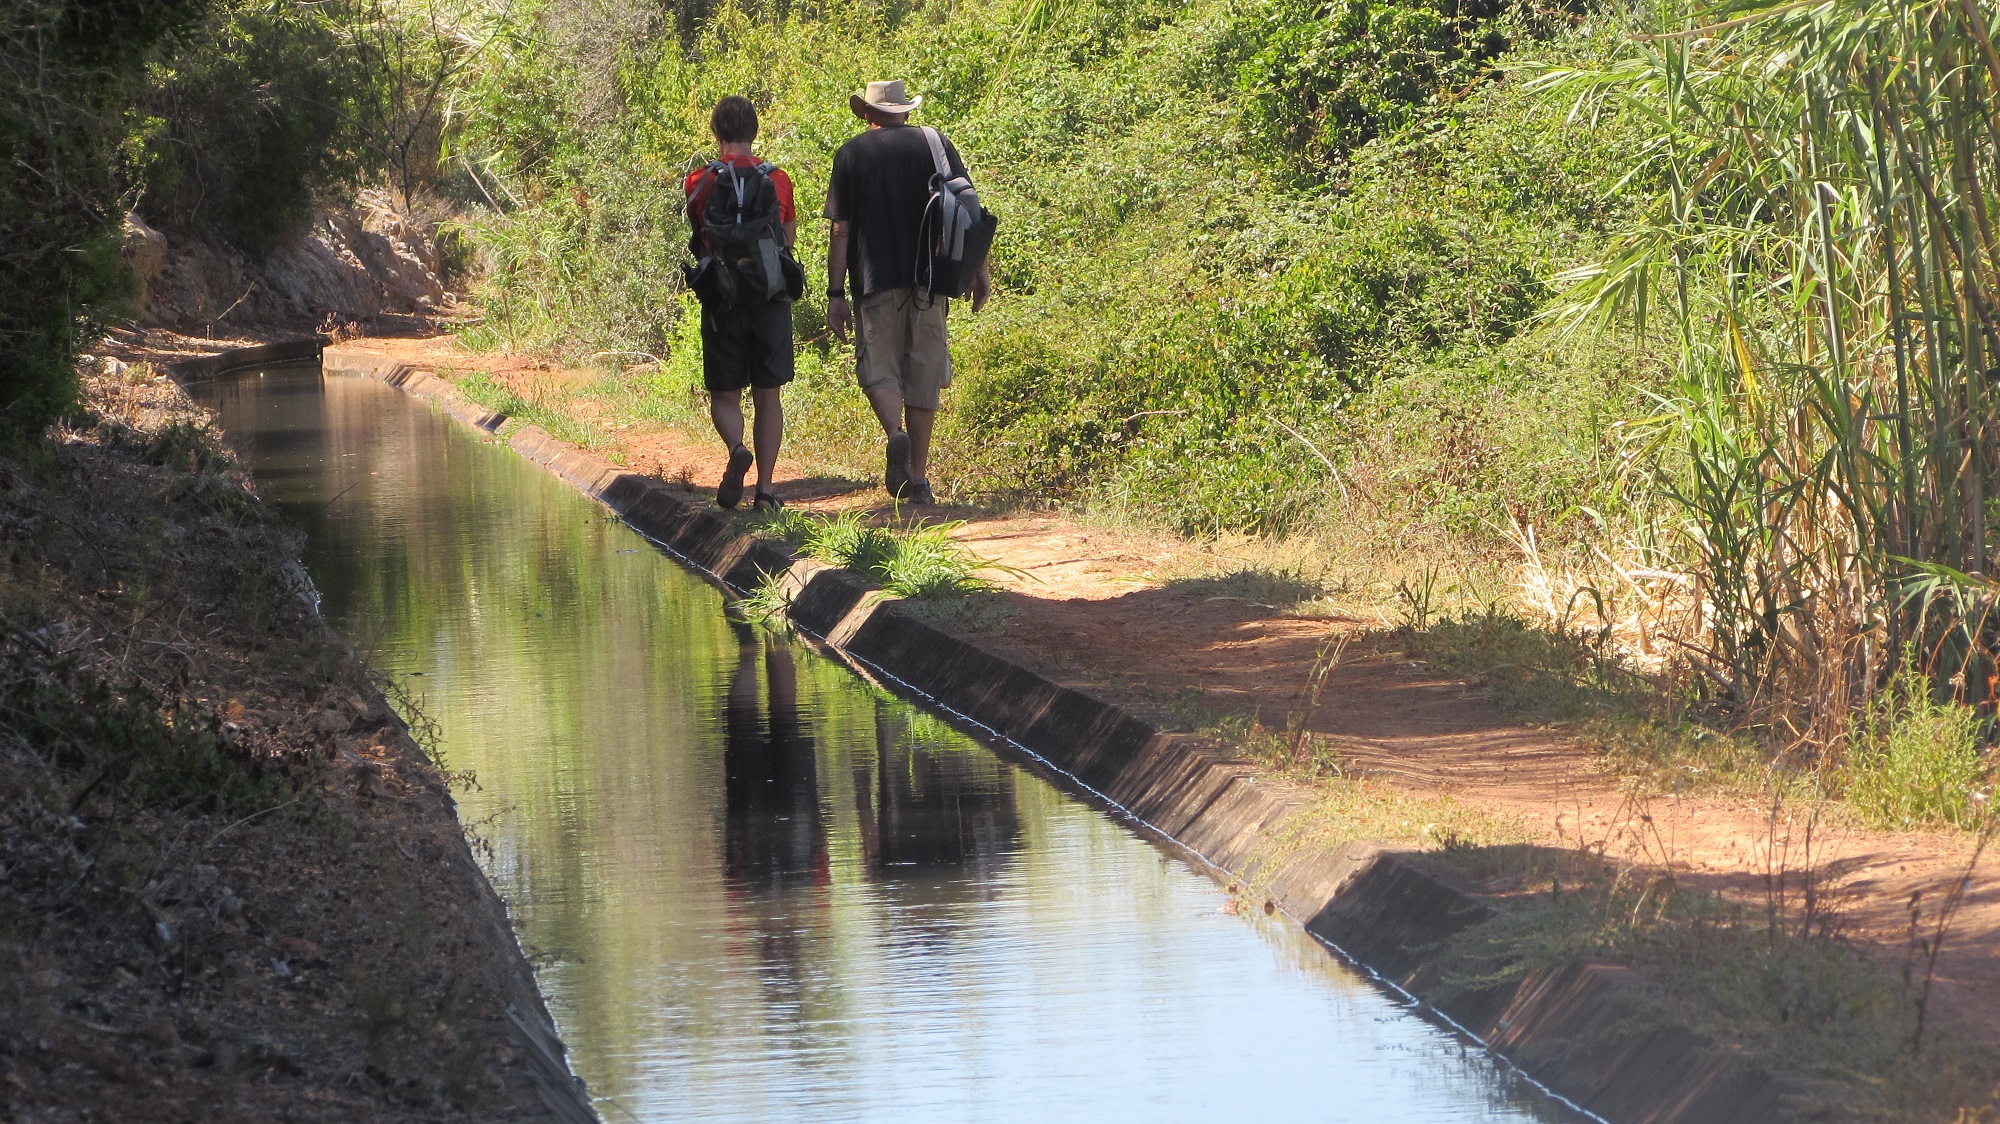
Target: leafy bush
{"type": "Point", "coordinates": [210, 159]}
{"type": "Point", "coordinates": [68, 66]}
{"type": "Point", "coordinates": [217, 116]}
{"type": "Point", "coordinates": [1327, 85]}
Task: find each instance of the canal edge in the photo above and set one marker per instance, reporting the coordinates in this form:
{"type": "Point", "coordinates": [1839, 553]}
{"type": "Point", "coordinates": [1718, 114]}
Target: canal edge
{"type": "Point", "coordinates": [1568, 1028]}
{"type": "Point", "coordinates": [561, 1092]}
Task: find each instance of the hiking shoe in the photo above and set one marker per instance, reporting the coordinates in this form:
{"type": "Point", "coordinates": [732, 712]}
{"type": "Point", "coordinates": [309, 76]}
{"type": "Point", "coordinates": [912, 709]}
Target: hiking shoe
{"type": "Point", "coordinates": [765, 501]}
{"type": "Point", "coordinates": [896, 477]}
{"type": "Point", "coordinates": [729, 493]}
{"type": "Point", "coordinates": [920, 492]}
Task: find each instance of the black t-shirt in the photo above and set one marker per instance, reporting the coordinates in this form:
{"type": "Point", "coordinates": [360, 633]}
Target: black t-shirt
{"type": "Point", "coordinates": [881, 182]}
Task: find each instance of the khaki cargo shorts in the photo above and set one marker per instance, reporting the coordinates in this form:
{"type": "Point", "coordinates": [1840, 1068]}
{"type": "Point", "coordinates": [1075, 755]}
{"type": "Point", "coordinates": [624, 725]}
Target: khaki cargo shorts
{"type": "Point", "coordinates": [902, 342]}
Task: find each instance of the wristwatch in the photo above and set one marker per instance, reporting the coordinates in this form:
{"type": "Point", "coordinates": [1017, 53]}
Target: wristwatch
{"type": "Point", "coordinates": [836, 294]}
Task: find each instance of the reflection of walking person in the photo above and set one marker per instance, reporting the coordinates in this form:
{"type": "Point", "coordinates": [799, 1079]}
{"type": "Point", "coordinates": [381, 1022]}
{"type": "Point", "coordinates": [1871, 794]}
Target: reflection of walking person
{"type": "Point", "coordinates": [774, 834]}
{"type": "Point", "coordinates": [876, 198]}
{"type": "Point", "coordinates": [743, 221]}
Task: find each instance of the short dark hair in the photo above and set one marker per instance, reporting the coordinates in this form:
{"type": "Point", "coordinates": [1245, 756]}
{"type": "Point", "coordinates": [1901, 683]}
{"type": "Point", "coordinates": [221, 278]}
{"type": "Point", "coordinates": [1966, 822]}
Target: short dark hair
{"type": "Point", "coordinates": [734, 120]}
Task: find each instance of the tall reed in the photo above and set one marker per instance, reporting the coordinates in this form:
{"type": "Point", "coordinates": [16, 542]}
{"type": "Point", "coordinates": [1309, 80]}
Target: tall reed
{"type": "Point", "coordinates": [1820, 231]}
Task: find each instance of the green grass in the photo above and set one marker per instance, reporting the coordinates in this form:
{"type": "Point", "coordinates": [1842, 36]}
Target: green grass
{"type": "Point", "coordinates": [921, 562]}
{"type": "Point", "coordinates": [1915, 761]}
{"type": "Point", "coordinates": [767, 604]}
{"type": "Point", "coordinates": [548, 411]}
{"type": "Point", "coordinates": [927, 563]}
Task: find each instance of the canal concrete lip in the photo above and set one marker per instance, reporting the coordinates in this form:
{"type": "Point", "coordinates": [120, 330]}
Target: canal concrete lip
{"type": "Point", "coordinates": [1567, 1028]}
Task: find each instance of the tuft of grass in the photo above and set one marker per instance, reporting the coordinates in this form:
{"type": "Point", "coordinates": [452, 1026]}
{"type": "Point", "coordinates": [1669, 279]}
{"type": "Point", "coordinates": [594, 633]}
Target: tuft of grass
{"type": "Point", "coordinates": [1275, 587]}
{"type": "Point", "coordinates": [791, 526]}
{"type": "Point", "coordinates": [767, 604]}
{"type": "Point", "coordinates": [922, 562]}
{"type": "Point", "coordinates": [848, 541]}
{"type": "Point", "coordinates": [1915, 762]}
{"type": "Point", "coordinates": [927, 563]}
{"type": "Point", "coordinates": [188, 445]}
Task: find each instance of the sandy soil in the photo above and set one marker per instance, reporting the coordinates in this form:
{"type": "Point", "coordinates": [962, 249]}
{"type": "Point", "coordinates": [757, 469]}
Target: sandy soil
{"type": "Point", "coordinates": [1085, 606]}
{"type": "Point", "coordinates": [321, 948]}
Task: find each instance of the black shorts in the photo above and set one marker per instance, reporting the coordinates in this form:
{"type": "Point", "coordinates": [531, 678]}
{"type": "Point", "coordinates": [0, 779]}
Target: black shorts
{"type": "Point", "coordinates": [747, 347]}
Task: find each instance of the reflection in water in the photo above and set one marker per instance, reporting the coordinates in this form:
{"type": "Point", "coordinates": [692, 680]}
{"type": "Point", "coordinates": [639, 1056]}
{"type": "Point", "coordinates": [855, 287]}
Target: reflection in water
{"type": "Point", "coordinates": [931, 812]}
{"type": "Point", "coordinates": [765, 891]}
{"type": "Point", "coordinates": [776, 840]}
{"type": "Point", "coordinates": [774, 851]}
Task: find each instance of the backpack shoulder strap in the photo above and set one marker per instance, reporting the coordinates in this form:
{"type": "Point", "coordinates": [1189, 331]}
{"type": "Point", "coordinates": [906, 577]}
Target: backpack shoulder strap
{"type": "Point", "coordinates": [714, 170]}
{"type": "Point", "coordinates": [936, 140]}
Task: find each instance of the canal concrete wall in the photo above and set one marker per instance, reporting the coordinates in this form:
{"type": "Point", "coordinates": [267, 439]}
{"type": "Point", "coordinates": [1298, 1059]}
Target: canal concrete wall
{"type": "Point", "coordinates": [1576, 1028]}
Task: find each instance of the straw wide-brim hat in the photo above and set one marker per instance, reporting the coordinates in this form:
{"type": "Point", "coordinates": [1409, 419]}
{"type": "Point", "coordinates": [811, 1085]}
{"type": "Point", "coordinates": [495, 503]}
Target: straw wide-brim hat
{"type": "Point", "coordinates": [888, 97]}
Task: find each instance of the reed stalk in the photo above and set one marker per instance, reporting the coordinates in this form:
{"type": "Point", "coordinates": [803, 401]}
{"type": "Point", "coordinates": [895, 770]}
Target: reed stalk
{"type": "Point", "coordinates": [1820, 226]}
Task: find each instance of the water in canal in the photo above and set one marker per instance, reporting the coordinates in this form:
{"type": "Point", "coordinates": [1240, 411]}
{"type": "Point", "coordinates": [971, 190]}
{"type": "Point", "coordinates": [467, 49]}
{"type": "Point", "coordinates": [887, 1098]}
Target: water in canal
{"type": "Point", "coordinates": [759, 889]}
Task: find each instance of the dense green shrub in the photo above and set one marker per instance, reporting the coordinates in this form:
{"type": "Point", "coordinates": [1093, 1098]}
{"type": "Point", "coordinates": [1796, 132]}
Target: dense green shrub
{"type": "Point", "coordinates": [1195, 319]}
{"type": "Point", "coordinates": [248, 118]}
{"type": "Point", "coordinates": [225, 117]}
{"type": "Point", "coordinates": [1328, 84]}
{"type": "Point", "coordinates": [67, 68]}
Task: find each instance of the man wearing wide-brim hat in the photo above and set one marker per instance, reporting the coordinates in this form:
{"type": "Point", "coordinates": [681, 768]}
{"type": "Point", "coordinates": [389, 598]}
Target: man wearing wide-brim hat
{"type": "Point", "coordinates": [875, 198]}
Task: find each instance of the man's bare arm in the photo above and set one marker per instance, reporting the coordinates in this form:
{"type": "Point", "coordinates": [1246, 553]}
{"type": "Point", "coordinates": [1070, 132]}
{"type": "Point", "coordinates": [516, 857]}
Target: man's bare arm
{"type": "Point", "coordinates": [837, 317]}
{"type": "Point", "coordinates": [982, 286]}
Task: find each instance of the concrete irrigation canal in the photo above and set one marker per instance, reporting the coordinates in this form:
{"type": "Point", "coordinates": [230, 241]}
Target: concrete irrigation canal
{"type": "Point", "coordinates": [756, 886]}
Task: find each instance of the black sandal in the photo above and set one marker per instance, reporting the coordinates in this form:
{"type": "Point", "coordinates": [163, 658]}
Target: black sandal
{"type": "Point", "coordinates": [729, 493]}
{"type": "Point", "coordinates": [765, 501]}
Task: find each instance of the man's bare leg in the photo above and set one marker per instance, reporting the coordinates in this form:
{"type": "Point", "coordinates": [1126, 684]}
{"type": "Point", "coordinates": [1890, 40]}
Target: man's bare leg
{"type": "Point", "coordinates": [769, 432]}
{"type": "Point", "coordinates": [887, 399]}
{"type": "Point", "coordinates": [920, 422]}
{"type": "Point", "coordinates": [725, 409]}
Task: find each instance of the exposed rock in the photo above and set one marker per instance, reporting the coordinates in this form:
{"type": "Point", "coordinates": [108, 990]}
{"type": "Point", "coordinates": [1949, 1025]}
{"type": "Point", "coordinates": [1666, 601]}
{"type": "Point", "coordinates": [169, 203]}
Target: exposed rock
{"type": "Point", "coordinates": [145, 248]}
{"type": "Point", "coordinates": [347, 265]}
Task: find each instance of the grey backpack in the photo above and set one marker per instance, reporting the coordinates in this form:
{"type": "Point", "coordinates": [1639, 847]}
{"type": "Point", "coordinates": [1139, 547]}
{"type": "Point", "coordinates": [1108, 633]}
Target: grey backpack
{"type": "Point", "coordinates": [957, 231]}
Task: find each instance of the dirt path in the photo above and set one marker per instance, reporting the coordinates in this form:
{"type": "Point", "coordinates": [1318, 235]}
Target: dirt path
{"type": "Point", "coordinates": [1088, 607]}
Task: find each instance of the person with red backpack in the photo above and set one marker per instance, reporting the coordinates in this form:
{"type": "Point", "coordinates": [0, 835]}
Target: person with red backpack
{"type": "Point", "coordinates": [909, 231]}
{"type": "Point", "coordinates": [744, 224]}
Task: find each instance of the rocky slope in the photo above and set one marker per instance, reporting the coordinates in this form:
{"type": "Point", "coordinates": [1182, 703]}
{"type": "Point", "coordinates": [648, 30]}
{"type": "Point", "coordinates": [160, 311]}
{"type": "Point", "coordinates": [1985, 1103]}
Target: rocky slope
{"type": "Point", "coordinates": [348, 265]}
